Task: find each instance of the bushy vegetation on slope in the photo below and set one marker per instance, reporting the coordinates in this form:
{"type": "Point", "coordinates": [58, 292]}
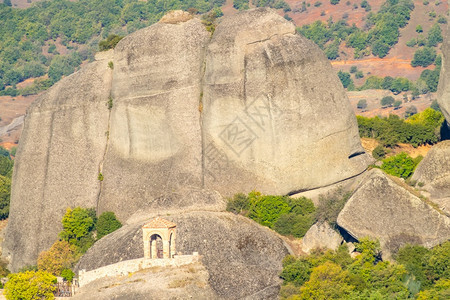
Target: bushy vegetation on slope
{"type": "Point", "coordinates": [6, 168]}
{"type": "Point", "coordinates": [25, 33]}
{"type": "Point", "coordinates": [286, 215]}
{"type": "Point", "coordinates": [380, 34]}
{"type": "Point", "coordinates": [419, 273]}
{"type": "Point", "coordinates": [79, 228]}
{"type": "Point", "coordinates": [427, 82]}
{"type": "Point", "coordinates": [419, 129]}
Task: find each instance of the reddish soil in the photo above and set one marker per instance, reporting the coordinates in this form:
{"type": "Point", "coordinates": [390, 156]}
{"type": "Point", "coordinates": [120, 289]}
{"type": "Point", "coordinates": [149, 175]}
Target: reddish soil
{"type": "Point", "coordinates": [11, 108]}
{"type": "Point", "coordinates": [370, 144]}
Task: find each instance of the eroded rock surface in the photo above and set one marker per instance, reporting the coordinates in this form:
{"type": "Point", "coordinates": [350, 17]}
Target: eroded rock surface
{"type": "Point", "coordinates": [58, 160]}
{"type": "Point", "coordinates": [381, 208]}
{"type": "Point", "coordinates": [433, 172]}
{"type": "Point", "coordinates": [254, 106]}
{"type": "Point", "coordinates": [242, 258]}
{"type": "Point", "coordinates": [321, 235]}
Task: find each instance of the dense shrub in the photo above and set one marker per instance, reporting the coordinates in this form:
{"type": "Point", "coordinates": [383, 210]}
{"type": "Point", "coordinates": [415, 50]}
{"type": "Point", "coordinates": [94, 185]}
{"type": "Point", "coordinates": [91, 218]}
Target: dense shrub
{"type": "Point", "coordinates": [424, 57]}
{"type": "Point", "coordinates": [345, 79]}
{"type": "Point", "coordinates": [30, 285]}
{"type": "Point", "coordinates": [78, 224]}
{"type": "Point", "coordinates": [387, 101]}
{"type": "Point", "coordinates": [400, 165]}
{"type": "Point", "coordinates": [240, 4]}
{"type": "Point", "coordinates": [335, 275]}
{"type": "Point", "coordinates": [362, 104]}
{"type": "Point", "coordinates": [107, 223]}
{"type": "Point", "coordinates": [286, 215]}
{"type": "Point", "coordinates": [423, 128]}
{"type": "Point", "coordinates": [379, 152]}
{"type": "Point", "coordinates": [429, 268]}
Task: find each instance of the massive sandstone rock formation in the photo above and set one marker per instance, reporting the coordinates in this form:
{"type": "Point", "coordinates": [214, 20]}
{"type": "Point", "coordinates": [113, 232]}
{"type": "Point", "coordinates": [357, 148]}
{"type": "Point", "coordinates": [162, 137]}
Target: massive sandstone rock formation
{"type": "Point", "coordinates": [254, 106]}
{"type": "Point", "coordinates": [382, 208]}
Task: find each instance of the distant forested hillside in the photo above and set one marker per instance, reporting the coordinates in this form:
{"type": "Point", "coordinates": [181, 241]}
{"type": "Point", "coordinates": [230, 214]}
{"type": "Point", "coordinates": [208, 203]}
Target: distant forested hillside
{"type": "Point", "coordinates": [54, 37]}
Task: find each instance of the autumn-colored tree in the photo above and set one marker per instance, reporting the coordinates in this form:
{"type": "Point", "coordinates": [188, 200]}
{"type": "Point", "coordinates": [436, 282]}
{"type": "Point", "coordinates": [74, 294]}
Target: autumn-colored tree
{"type": "Point", "coordinates": [30, 285]}
{"type": "Point", "coordinates": [328, 281]}
{"type": "Point", "coordinates": [60, 256]}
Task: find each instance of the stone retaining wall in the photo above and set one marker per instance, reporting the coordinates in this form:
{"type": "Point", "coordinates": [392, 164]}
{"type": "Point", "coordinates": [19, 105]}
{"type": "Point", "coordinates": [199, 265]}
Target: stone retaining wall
{"type": "Point", "coordinates": [133, 265]}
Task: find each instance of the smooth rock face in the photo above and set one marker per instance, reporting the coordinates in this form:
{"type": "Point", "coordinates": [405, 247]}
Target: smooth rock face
{"type": "Point", "coordinates": [243, 259]}
{"type": "Point", "coordinates": [275, 110]}
{"type": "Point", "coordinates": [381, 208]}
{"type": "Point", "coordinates": [252, 107]}
{"type": "Point", "coordinates": [443, 95]}
{"type": "Point", "coordinates": [321, 236]}
{"type": "Point", "coordinates": [58, 161]}
{"type": "Point", "coordinates": [155, 145]}
{"type": "Point", "coordinates": [434, 171]}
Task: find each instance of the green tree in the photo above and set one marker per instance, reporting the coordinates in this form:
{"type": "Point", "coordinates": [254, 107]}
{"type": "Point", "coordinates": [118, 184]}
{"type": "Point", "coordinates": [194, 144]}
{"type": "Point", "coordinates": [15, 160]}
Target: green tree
{"type": "Point", "coordinates": [5, 192]}
{"type": "Point", "coordinates": [77, 228]}
{"type": "Point", "coordinates": [424, 57]}
{"type": "Point", "coordinates": [379, 152]}
{"type": "Point", "coordinates": [30, 285]}
{"type": "Point", "coordinates": [410, 110]}
{"type": "Point", "coordinates": [345, 79]}
{"type": "Point", "coordinates": [400, 165]}
{"type": "Point", "coordinates": [240, 4]}
{"type": "Point", "coordinates": [107, 223]}
{"type": "Point", "coordinates": [387, 101]}
{"type": "Point", "coordinates": [362, 104]}
{"type": "Point", "coordinates": [419, 29]}
{"type": "Point", "coordinates": [435, 35]}
{"type": "Point", "coordinates": [267, 209]}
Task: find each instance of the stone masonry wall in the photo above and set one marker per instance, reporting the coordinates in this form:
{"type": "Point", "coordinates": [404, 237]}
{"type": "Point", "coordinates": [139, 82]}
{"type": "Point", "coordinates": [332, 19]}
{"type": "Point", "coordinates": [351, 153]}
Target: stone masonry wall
{"type": "Point", "coordinates": [133, 265]}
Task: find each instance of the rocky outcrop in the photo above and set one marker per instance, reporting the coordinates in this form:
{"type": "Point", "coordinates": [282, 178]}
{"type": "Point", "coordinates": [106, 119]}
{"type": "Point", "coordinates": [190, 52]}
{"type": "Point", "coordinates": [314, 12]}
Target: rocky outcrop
{"type": "Point", "coordinates": [243, 259]}
{"type": "Point", "coordinates": [58, 160]}
{"type": "Point", "coordinates": [168, 283]}
{"type": "Point", "coordinates": [276, 110]}
{"type": "Point", "coordinates": [321, 235]}
{"type": "Point", "coordinates": [433, 172]}
{"type": "Point", "coordinates": [255, 106]}
{"type": "Point", "coordinates": [381, 208]}
{"type": "Point", "coordinates": [443, 95]}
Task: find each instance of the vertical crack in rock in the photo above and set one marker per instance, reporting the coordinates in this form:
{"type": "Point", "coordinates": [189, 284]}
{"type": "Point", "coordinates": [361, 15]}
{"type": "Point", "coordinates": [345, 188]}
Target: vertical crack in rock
{"type": "Point", "coordinates": [47, 162]}
{"type": "Point", "coordinates": [100, 166]}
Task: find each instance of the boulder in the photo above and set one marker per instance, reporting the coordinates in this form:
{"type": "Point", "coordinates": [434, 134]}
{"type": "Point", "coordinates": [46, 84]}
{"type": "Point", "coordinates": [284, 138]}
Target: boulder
{"type": "Point", "coordinates": [321, 236]}
{"type": "Point", "coordinates": [275, 109]}
{"type": "Point", "coordinates": [255, 106]}
{"type": "Point", "coordinates": [433, 172]}
{"type": "Point", "coordinates": [243, 259]}
{"type": "Point", "coordinates": [383, 208]}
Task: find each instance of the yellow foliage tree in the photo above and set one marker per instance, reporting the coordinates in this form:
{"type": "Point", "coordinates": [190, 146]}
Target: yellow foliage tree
{"type": "Point", "coordinates": [30, 285]}
{"type": "Point", "coordinates": [60, 256]}
{"type": "Point", "coordinates": [328, 281]}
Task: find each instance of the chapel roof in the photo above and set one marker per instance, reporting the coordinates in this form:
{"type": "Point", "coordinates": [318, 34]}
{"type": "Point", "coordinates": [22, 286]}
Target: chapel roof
{"type": "Point", "coordinates": [159, 222]}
